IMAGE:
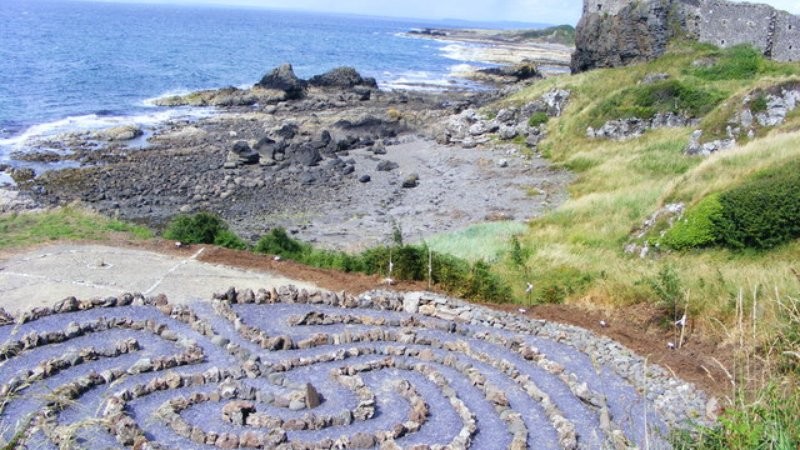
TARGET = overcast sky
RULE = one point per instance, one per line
(542, 11)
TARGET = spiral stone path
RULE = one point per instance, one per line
(293, 368)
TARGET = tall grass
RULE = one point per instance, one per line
(485, 241)
(762, 410)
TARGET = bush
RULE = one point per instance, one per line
(697, 228)
(558, 283)
(408, 262)
(668, 288)
(229, 239)
(537, 119)
(277, 242)
(201, 228)
(764, 212)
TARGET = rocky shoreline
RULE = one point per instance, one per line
(333, 159)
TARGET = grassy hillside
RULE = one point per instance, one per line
(619, 184)
(748, 298)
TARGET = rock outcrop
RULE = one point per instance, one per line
(613, 33)
(282, 78)
(342, 77)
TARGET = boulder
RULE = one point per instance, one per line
(364, 179)
(282, 78)
(342, 77)
(387, 166)
(307, 155)
(312, 396)
(241, 154)
(411, 181)
(120, 133)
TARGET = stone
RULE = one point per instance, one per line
(312, 397)
(364, 179)
(141, 366)
(227, 441)
(411, 181)
(387, 166)
(342, 77)
(237, 411)
(297, 404)
(251, 439)
(282, 78)
(507, 132)
(379, 148)
(241, 154)
(362, 440)
(411, 303)
(120, 133)
(652, 78)
(307, 156)
(506, 115)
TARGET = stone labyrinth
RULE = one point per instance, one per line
(290, 369)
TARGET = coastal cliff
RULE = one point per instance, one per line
(614, 33)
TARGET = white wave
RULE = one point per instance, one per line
(459, 70)
(94, 122)
(465, 52)
(171, 93)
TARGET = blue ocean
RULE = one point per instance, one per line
(68, 64)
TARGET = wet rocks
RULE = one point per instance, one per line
(120, 133)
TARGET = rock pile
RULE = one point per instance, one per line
(623, 129)
(469, 128)
(761, 109)
(287, 368)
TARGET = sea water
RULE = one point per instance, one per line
(69, 65)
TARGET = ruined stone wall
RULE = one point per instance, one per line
(726, 24)
(608, 23)
(786, 46)
(612, 7)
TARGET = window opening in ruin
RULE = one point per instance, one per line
(599, 7)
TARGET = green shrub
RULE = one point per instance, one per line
(645, 101)
(229, 239)
(537, 119)
(408, 262)
(278, 242)
(697, 228)
(668, 289)
(201, 228)
(764, 212)
(741, 62)
(759, 104)
(558, 283)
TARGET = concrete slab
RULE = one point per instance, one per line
(48, 274)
